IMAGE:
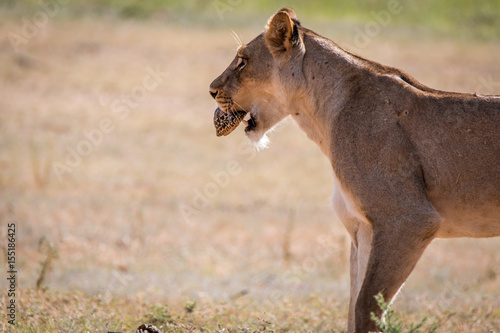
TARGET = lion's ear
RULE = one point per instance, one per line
(282, 32)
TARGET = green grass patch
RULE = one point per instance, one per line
(460, 18)
(392, 324)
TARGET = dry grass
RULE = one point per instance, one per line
(264, 251)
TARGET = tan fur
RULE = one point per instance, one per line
(410, 163)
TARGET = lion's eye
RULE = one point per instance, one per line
(241, 63)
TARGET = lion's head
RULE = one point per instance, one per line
(256, 83)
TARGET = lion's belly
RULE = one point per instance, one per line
(467, 221)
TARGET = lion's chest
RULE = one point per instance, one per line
(346, 207)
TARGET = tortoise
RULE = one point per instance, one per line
(148, 328)
(226, 122)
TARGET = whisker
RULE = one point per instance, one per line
(240, 106)
(236, 38)
(233, 111)
(235, 114)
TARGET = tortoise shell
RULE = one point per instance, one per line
(148, 328)
(225, 122)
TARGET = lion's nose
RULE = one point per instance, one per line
(213, 92)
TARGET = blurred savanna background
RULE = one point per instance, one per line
(129, 210)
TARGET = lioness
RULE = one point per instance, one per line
(410, 163)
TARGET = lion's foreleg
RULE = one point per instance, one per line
(360, 252)
(397, 245)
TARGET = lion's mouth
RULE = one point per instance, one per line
(226, 122)
(251, 124)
